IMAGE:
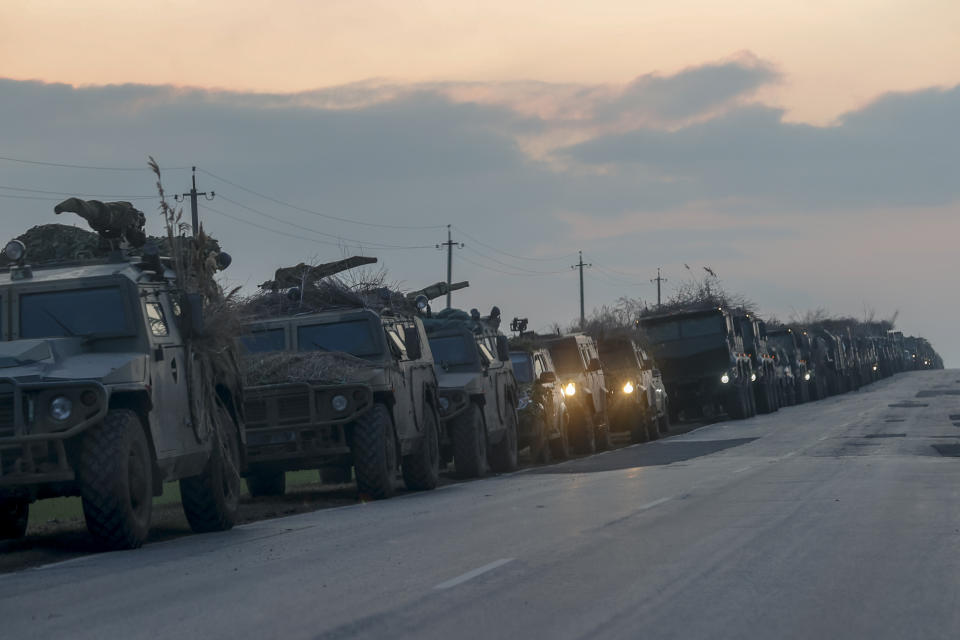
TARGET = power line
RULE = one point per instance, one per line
(511, 255)
(614, 275)
(489, 268)
(70, 193)
(512, 266)
(84, 166)
(377, 245)
(318, 213)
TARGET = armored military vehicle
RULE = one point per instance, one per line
(542, 410)
(766, 385)
(585, 390)
(835, 360)
(478, 391)
(704, 365)
(106, 392)
(787, 341)
(638, 400)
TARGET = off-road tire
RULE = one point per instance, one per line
(503, 455)
(653, 429)
(663, 424)
(468, 438)
(14, 515)
(116, 481)
(375, 454)
(639, 432)
(560, 447)
(335, 474)
(738, 403)
(584, 436)
(421, 469)
(211, 500)
(267, 483)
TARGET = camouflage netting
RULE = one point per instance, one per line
(319, 367)
(458, 318)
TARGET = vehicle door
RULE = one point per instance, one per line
(494, 390)
(405, 417)
(423, 379)
(171, 423)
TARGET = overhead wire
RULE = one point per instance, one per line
(511, 266)
(84, 166)
(565, 256)
(70, 193)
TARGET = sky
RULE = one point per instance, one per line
(806, 151)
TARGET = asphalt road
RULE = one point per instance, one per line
(833, 519)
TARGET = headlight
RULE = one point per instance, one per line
(753, 377)
(724, 378)
(570, 389)
(806, 376)
(444, 403)
(628, 388)
(874, 367)
(60, 408)
(15, 250)
(338, 402)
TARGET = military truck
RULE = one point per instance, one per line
(638, 400)
(105, 394)
(704, 365)
(478, 391)
(541, 408)
(766, 385)
(790, 351)
(585, 390)
(356, 391)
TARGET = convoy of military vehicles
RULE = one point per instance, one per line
(114, 380)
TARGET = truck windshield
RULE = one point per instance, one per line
(522, 367)
(566, 357)
(263, 341)
(453, 350)
(782, 340)
(619, 356)
(355, 337)
(685, 328)
(82, 312)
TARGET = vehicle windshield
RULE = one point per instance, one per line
(566, 357)
(618, 356)
(81, 312)
(782, 340)
(355, 337)
(263, 341)
(453, 350)
(685, 328)
(522, 367)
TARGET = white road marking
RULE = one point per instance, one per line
(651, 505)
(470, 575)
(742, 469)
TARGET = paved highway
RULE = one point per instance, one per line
(833, 519)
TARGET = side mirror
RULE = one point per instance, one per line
(503, 348)
(548, 377)
(411, 337)
(594, 365)
(192, 319)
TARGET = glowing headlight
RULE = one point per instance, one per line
(570, 389)
(753, 377)
(874, 367)
(444, 403)
(338, 402)
(806, 376)
(60, 408)
(628, 388)
(15, 250)
(724, 378)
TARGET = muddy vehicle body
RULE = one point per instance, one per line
(541, 407)
(789, 349)
(703, 362)
(478, 393)
(766, 383)
(375, 414)
(585, 390)
(104, 396)
(637, 402)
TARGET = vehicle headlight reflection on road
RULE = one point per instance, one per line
(570, 389)
(628, 388)
(724, 378)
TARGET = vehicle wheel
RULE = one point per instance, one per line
(336, 474)
(584, 437)
(211, 500)
(469, 440)
(14, 515)
(503, 455)
(421, 470)
(375, 454)
(116, 481)
(663, 423)
(267, 483)
(560, 447)
(735, 404)
(653, 429)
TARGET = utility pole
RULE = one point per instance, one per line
(658, 280)
(581, 264)
(194, 215)
(450, 244)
